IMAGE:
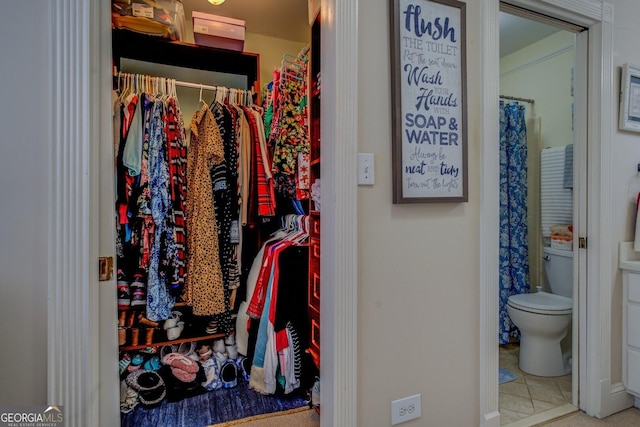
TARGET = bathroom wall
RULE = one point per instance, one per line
(541, 71)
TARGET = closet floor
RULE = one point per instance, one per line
(528, 395)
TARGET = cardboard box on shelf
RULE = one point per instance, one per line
(218, 31)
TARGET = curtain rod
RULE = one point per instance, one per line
(515, 98)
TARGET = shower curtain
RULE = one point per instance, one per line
(514, 257)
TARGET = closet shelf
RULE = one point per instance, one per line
(131, 45)
(173, 342)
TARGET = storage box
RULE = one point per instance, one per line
(218, 31)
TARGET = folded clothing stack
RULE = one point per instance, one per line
(163, 18)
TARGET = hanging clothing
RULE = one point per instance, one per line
(514, 251)
(177, 160)
(204, 285)
(159, 300)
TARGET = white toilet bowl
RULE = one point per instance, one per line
(544, 321)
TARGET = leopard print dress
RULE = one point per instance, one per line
(204, 287)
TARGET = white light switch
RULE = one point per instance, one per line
(366, 169)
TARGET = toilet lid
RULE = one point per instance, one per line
(542, 302)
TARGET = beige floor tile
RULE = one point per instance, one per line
(547, 382)
(547, 394)
(541, 405)
(515, 403)
(517, 389)
(564, 383)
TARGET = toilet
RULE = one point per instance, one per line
(544, 319)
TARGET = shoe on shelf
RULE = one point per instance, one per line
(218, 346)
(174, 333)
(124, 295)
(212, 327)
(138, 281)
(172, 321)
(139, 298)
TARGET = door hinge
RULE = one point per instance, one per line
(105, 268)
(582, 242)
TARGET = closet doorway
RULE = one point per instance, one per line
(537, 194)
(265, 42)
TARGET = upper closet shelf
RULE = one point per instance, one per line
(131, 45)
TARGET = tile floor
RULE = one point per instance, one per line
(528, 394)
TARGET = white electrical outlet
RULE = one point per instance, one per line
(366, 169)
(405, 409)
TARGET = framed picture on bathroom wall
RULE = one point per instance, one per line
(630, 98)
(429, 114)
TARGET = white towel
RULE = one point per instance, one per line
(556, 202)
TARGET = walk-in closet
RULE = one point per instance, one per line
(216, 166)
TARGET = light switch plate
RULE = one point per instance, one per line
(366, 169)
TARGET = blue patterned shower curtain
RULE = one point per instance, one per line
(514, 249)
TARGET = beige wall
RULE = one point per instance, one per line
(271, 50)
(542, 73)
(418, 263)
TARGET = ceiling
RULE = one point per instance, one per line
(516, 32)
(288, 19)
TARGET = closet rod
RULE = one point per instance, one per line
(209, 87)
(515, 98)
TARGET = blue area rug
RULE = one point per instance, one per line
(210, 408)
(505, 376)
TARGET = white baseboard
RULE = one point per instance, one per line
(617, 400)
(491, 419)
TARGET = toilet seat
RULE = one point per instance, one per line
(542, 303)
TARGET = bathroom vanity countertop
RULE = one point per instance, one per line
(628, 258)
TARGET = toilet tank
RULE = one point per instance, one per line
(558, 266)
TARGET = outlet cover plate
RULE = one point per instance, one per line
(405, 409)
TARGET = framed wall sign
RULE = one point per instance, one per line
(428, 71)
(630, 98)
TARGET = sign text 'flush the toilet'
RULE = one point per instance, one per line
(429, 99)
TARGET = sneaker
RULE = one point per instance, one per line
(124, 296)
(138, 298)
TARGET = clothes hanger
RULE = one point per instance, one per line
(202, 100)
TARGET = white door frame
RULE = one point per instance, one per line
(597, 396)
(82, 356)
